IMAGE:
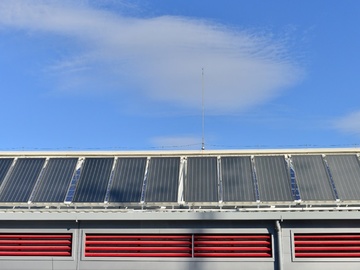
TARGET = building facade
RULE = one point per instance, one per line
(198, 210)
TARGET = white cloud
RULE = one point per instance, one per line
(349, 123)
(162, 57)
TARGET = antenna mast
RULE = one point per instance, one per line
(203, 111)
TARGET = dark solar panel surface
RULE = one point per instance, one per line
(162, 180)
(5, 164)
(273, 178)
(345, 171)
(128, 180)
(312, 178)
(237, 180)
(22, 179)
(273, 181)
(202, 183)
(93, 182)
(55, 180)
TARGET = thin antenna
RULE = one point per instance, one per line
(203, 111)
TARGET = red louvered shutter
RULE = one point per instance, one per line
(146, 245)
(39, 244)
(343, 245)
(237, 245)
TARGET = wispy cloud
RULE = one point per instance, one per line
(349, 123)
(160, 57)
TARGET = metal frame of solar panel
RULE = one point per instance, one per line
(128, 180)
(21, 181)
(162, 180)
(54, 183)
(93, 182)
(312, 178)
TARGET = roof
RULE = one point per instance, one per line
(221, 180)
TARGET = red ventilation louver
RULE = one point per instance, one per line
(343, 245)
(39, 244)
(146, 245)
(239, 245)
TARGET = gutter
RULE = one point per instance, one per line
(279, 244)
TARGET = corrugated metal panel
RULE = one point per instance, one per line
(22, 179)
(312, 178)
(162, 180)
(243, 245)
(41, 244)
(273, 178)
(340, 245)
(201, 184)
(55, 180)
(5, 164)
(345, 171)
(237, 180)
(138, 245)
(94, 179)
(128, 180)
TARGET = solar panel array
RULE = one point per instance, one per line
(177, 180)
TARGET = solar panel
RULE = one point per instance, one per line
(93, 180)
(201, 184)
(237, 180)
(162, 180)
(128, 180)
(22, 179)
(312, 178)
(345, 171)
(273, 178)
(5, 164)
(55, 180)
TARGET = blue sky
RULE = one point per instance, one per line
(127, 75)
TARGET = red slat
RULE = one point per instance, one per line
(138, 243)
(323, 243)
(231, 242)
(102, 248)
(35, 242)
(137, 254)
(253, 255)
(205, 237)
(43, 253)
(45, 248)
(112, 236)
(37, 236)
(328, 255)
(196, 249)
(328, 236)
(339, 248)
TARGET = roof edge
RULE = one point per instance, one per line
(184, 152)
